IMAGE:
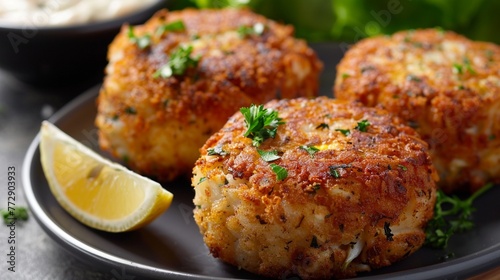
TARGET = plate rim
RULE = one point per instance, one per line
(459, 268)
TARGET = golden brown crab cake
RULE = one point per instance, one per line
(175, 80)
(444, 85)
(340, 189)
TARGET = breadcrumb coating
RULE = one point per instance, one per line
(359, 190)
(445, 86)
(155, 122)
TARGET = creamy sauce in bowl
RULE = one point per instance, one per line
(43, 13)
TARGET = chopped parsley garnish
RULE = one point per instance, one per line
(202, 179)
(261, 123)
(217, 151)
(334, 173)
(334, 170)
(468, 66)
(346, 132)
(142, 42)
(363, 125)
(323, 126)
(12, 215)
(458, 68)
(402, 167)
(180, 60)
(387, 231)
(345, 75)
(311, 150)
(174, 26)
(281, 172)
(268, 155)
(256, 29)
(451, 215)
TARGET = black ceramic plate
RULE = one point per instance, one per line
(172, 247)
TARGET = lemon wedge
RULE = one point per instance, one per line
(97, 192)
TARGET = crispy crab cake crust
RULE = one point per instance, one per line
(444, 85)
(360, 202)
(157, 125)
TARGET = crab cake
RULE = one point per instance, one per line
(341, 188)
(442, 84)
(175, 80)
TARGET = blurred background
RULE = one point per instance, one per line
(40, 54)
(352, 20)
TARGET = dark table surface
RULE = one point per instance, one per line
(22, 108)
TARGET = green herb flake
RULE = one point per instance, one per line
(468, 66)
(174, 26)
(334, 170)
(451, 215)
(12, 215)
(345, 75)
(268, 155)
(311, 150)
(346, 132)
(402, 167)
(202, 179)
(142, 42)
(316, 187)
(217, 151)
(458, 68)
(180, 60)
(334, 173)
(363, 126)
(257, 29)
(281, 172)
(323, 126)
(261, 123)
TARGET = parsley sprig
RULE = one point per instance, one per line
(363, 126)
(261, 123)
(451, 215)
